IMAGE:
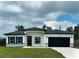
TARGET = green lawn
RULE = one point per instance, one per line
(29, 53)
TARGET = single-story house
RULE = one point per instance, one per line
(37, 37)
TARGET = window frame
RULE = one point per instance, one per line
(10, 39)
(19, 41)
(37, 40)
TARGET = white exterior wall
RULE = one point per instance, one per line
(45, 43)
(15, 45)
(72, 41)
(44, 38)
(36, 34)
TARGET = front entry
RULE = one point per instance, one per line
(29, 40)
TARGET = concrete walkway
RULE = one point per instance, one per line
(34, 47)
(68, 52)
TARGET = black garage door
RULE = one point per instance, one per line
(58, 42)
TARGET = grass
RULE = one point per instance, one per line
(6, 52)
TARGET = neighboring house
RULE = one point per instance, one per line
(37, 37)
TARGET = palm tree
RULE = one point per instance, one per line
(44, 27)
(70, 29)
(49, 28)
(19, 27)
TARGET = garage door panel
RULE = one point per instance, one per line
(58, 42)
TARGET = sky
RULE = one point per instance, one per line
(37, 13)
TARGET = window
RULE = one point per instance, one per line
(19, 40)
(37, 40)
(11, 40)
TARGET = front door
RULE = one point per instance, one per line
(29, 40)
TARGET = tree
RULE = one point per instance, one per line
(44, 27)
(49, 28)
(76, 30)
(19, 27)
(70, 29)
(22, 27)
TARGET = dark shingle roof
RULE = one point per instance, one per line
(34, 29)
(15, 33)
(56, 31)
(22, 32)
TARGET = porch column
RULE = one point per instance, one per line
(6, 40)
(45, 41)
(15, 39)
(25, 40)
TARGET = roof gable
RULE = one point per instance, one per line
(34, 29)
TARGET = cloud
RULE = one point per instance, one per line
(37, 13)
(53, 15)
(35, 4)
(69, 6)
(41, 8)
(11, 8)
(14, 8)
(56, 24)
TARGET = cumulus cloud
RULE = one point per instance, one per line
(14, 8)
(56, 24)
(37, 13)
(41, 8)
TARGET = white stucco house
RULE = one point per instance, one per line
(37, 37)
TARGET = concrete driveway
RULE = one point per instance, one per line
(68, 52)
